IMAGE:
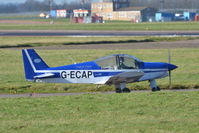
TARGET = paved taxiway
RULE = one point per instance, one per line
(95, 33)
(80, 93)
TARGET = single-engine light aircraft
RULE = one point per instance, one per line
(117, 69)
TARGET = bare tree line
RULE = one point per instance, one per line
(167, 4)
(46, 5)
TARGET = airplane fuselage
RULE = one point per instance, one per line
(100, 76)
(117, 70)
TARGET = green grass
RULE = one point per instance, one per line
(9, 42)
(161, 112)
(109, 25)
(12, 75)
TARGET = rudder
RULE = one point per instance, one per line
(32, 63)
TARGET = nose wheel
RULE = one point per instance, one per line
(121, 88)
(154, 86)
(156, 89)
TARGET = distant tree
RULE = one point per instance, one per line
(8, 8)
(172, 4)
(46, 5)
(31, 5)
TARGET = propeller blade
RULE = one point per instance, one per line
(169, 79)
(169, 61)
(169, 56)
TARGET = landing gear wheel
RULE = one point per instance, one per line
(121, 88)
(156, 89)
(118, 90)
(126, 90)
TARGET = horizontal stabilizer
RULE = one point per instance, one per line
(45, 75)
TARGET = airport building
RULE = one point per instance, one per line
(121, 10)
(61, 13)
(117, 4)
(168, 16)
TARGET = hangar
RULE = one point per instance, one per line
(116, 10)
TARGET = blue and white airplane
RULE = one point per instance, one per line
(117, 69)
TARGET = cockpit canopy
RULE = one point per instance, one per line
(118, 61)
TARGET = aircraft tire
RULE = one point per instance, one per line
(156, 89)
(118, 90)
(126, 90)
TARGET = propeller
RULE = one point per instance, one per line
(169, 61)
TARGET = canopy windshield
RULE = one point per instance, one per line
(118, 62)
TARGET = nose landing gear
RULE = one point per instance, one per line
(154, 86)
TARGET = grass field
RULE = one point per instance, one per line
(162, 112)
(10, 42)
(65, 24)
(12, 75)
(145, 112)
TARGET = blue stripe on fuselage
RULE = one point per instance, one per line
(154, 65)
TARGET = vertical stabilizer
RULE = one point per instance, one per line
(32, 63)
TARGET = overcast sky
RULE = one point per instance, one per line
(20, 1)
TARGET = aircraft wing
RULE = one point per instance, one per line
(45, 75)
(125, 77)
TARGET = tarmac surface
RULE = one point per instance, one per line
(81, 93)
(80, 33)
(126, 46)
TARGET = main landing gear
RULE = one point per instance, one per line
(154, 86)
(121, 88)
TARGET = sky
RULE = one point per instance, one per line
(20, 1)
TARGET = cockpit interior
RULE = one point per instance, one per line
(119, 61)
